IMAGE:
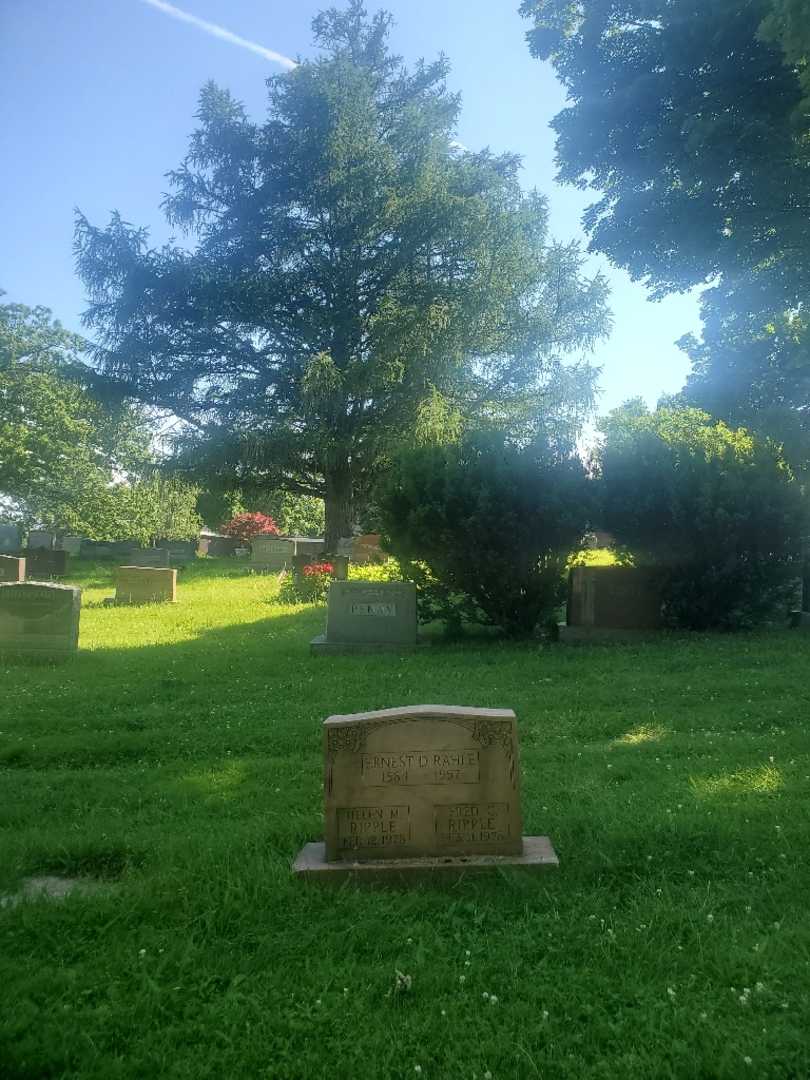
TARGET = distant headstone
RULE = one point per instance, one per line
(71, 544)
(9, 538)
(427, 788)
(612, 602)
(39, 620)
(145, 585)
(218, 546)
(179, 550)
(307, 545)
(40, 538)
(12, 568)
(149, 557)
(42, 564)
(271, 553)
(366, 549)
(365, 616)
(340, 564)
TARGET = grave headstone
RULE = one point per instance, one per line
(271, 553)
(149, 557)
(341, 567)
(71, 544)
(307, 545)
(145, 585)
(39, 620)
(366, 549)
(12, 568)
(365, 616)
(218, 547)
(179, 550)
(40, 538)
(9, 538)
(425, 788)
(42, 564)
(612, 603)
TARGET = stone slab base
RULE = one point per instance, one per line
(587, 634)
(320, 645)
(311, 865)
(800, 620)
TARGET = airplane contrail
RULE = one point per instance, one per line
(221, 33)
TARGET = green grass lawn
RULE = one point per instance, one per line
(177, 759)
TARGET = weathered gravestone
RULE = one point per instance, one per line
(9, 538)
(612, 603)
(149, 557)
(179, 550)
(42, 564)
(271, 554)
(218, 546)
(366, 549)
(421, 790)
(41, 538)
(145, 585)
(39, 620)
(71, 544)
(12, 568)
(365, 616)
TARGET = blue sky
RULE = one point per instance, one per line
(97, 100)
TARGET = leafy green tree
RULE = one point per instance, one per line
(688, 122)
(351, 263)
(717, 509)
(491, 523)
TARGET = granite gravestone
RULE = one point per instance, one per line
(423, 788)
(39, 620)
(71, 544)
(612, 603)
(179, 550)
(366, 549)
(271, 554)
(41, 538)
(150, 557)
(145, 585)
(365, 616)
(218, 547)
(42, 564)
(9, 538)
(12, 568)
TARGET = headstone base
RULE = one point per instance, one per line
(800, 620)
(311, 865)
(320, 645)
(596, 634)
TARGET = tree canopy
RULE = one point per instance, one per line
(690, 121)
(354, 266)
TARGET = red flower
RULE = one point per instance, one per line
(318, 568)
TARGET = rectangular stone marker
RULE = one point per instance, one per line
(40, 538)
(71, 544)
(39, 620)
(611, 603)
(149, 557)
(271, 554)
(9, 538)
(42, 564)
(364, 616)
(366, 549)
(145, 585)
(12, 568)
(422, 788)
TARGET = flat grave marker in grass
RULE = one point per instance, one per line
(39, 619)
(12, 568)
(364, 616)
(145, 585)
(425, 790)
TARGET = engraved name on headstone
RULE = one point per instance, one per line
(367, 616)
(420, 781)
(39, 619)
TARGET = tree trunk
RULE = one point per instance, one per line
(339, 506)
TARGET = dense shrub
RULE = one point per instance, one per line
(717, 509)
(485, 528)
(245, 526)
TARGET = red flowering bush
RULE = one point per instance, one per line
(308, 587)
(245, 526)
